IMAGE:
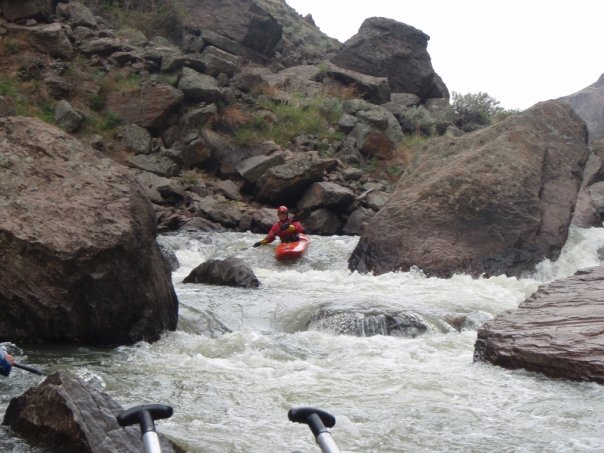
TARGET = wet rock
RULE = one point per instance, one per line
(77, 237)
(231, 271)
(367, 324)
(558, 331)
(497, 201)
(71, 415)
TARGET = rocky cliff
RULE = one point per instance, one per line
(588, 104)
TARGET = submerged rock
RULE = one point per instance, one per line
(370, 323)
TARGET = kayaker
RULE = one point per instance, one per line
(287, 230)
(6, 361)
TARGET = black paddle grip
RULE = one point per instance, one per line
(316, 419)
(144, 415)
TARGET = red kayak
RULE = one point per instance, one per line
(292, 250)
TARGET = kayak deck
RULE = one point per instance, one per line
(292, 250)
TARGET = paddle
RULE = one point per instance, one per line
(29, 368)
(318, 422)
(144, 416)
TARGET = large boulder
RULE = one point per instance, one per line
(14, 10)
(50, 39)
(387, 48)
(558, 331)
(149, 106)
(285, 183)
(71, 415)
(244, 21)
(493, 202)
(77, 240)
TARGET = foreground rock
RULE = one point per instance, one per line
(77, 240)
(493, 202)
(70, 415)
(558, 331)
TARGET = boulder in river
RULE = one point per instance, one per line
(80, 262)
(496, 201)
(231, 271)
(558, 331)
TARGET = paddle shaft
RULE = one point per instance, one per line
(28, 368)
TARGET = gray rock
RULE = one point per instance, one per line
(199, 87)
(588, 105)
(136, 139)
(67, 117)
(254, 167)
(387, 48)
(326, 195)
(47, 38)
(155, 163)
(496, 201)
(72, 415)
(77, 14)
(558, 331)
(231, 271)
(79, 258)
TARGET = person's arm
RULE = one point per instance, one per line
(6, 362)
(270, 237)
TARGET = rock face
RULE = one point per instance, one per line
(73, 416)
(243, 21)
(387, 48)
(558, 331)
(588, 105)
(496, 201)
(77, 240)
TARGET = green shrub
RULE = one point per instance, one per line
(109, 121)
(474, 108)
(422, 119)
(189, 178)
(295, 116)
(96, 101)
(8, 88)
(152, 18)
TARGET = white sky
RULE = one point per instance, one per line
(520, 52)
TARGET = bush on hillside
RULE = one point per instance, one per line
(475, 109)
(153, 18)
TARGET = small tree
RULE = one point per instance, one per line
(475, 109)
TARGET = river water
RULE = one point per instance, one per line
(241, 358)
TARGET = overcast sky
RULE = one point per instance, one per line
(520, 52)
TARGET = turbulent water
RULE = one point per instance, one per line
(242, 357)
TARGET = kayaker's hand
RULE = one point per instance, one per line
(291, 229)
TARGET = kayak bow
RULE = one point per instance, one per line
(292, 250)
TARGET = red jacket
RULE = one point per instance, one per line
(281, 229)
